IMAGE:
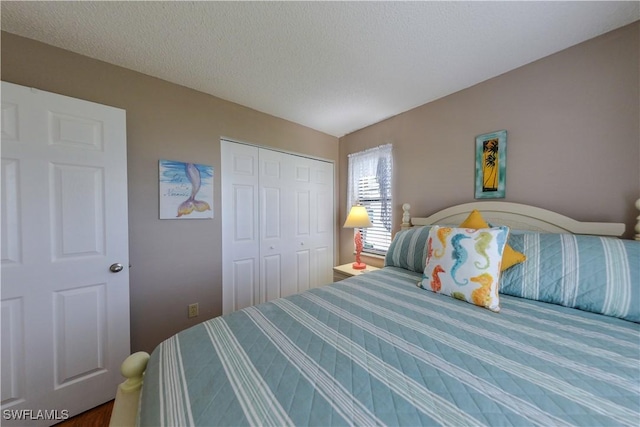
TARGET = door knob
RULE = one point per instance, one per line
(116, 268)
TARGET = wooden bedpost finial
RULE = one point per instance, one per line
(638, 221)
(125, 407)
(133, 369)
(406, 216)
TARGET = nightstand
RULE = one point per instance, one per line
(344, 271)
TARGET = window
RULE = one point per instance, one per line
(370, 185)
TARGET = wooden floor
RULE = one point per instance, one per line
(96, 417)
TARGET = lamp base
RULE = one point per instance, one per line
(359, 266)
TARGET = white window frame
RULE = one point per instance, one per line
(370, 184)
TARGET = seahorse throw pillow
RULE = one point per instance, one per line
(510, 257)
(465, 263)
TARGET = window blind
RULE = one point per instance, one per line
(370, 175)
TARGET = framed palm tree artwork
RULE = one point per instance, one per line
(491, 165)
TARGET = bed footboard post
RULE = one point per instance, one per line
(406, 217)
(125, 407)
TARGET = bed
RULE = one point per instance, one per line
(376, 349)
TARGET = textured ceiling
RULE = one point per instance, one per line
(332, 66)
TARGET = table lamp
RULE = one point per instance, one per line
(358, 218)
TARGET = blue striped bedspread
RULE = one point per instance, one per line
(377, 350)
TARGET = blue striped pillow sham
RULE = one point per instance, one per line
(408, 249)
(591, 273)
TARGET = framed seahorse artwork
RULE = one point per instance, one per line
(491, 165)
(186, 190)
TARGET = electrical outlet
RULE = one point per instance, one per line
(193, 310)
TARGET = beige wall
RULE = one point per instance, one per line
(573, 146)
(573, 123)
(174, 263)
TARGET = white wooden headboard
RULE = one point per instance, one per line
(517, 216)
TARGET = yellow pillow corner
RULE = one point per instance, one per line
(475, 221)
(510, 257)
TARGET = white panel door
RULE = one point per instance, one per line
(304, 212)
(65, 314)
(297, 196)
(314, 221)
(323, 226)
(240, 227)
(277, 247)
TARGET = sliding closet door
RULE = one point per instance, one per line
(322, 235)
(303, 213)
(276, 225)
(283, 204)
(240, 227)
(296, 223)
(312, 225)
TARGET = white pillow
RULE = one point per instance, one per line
(465, 263)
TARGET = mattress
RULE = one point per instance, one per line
(377, 350)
